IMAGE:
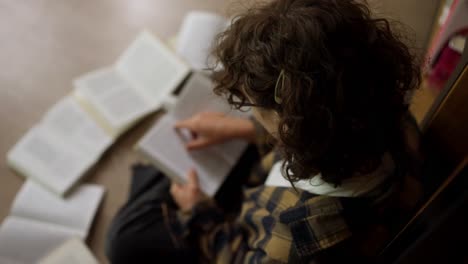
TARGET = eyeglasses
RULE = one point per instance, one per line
(244, 103)
(241, 105)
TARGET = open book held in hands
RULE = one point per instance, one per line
(164, 147)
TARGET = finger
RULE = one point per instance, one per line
(173, 188)
(198, 143)
(186, 123)
(192, 178)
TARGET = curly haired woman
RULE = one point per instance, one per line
(329, 83)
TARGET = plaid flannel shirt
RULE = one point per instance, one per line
(276, 224)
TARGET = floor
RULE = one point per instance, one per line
(45, 44)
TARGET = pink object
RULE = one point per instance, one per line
(456, 20)
(444, 66)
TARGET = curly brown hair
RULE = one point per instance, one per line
(346, 76)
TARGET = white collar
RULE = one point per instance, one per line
(355, 186)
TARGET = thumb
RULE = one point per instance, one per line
(175, 189)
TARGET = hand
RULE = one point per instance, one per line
(211, 128)
(187, 195)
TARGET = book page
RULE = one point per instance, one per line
(27, 241)
(75, 211)
(113, 97)
(41, 156)
(5, 260)
(165, 146)
(152, 68)
(197, 96)
(69, 121)
(73, 251)
(196, 37)
(231, 150)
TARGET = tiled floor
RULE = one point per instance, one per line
(44, 44)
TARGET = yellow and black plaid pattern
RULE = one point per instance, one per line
(274, 224)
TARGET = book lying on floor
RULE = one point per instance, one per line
(61, 148)
(73, 251)
(77, 130)
(164, 146)
(136, 85)
(40, 221)
(196, 38)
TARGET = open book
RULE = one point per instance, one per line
(40, 221)
(60, 149)
(196, 38)
(77, 130)
(136, 85)
(166, 148)
(73, 251)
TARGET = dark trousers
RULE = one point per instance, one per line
(138, 233)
